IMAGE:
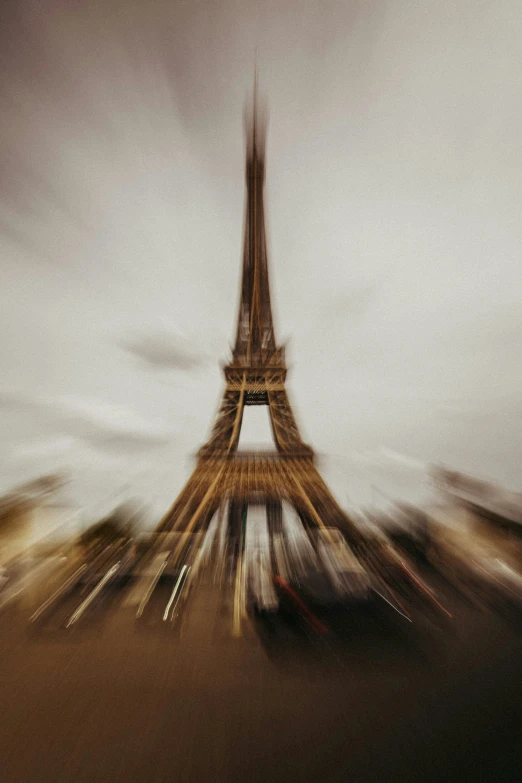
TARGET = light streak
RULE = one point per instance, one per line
(57, 593)
(92, 595)
(184, 570)
(426, 590)
(151, 587)
(238, 595)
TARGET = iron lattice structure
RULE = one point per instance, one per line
(256, 375)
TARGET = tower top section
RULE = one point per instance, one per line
(255, 340)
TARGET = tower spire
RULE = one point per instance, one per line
(254, 111)
(255, 339)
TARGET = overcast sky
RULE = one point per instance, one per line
(393, 208)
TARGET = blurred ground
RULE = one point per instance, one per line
(116, 702)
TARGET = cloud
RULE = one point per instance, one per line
(48, 449)
(16, 399)
(166, 350)
(105, 425)
(403, 459)
(97, 423)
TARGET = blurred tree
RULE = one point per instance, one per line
(117, 525)
(16, 505)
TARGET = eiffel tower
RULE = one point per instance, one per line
(255, 375)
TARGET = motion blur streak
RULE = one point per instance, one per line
(90, 598)
(177, 588)
(152, 585)
(57, 594)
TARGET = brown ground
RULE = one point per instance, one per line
(113, 702)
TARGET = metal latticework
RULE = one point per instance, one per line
(256, 375)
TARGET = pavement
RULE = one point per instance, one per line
(116, 699)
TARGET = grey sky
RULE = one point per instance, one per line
(393, 199)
